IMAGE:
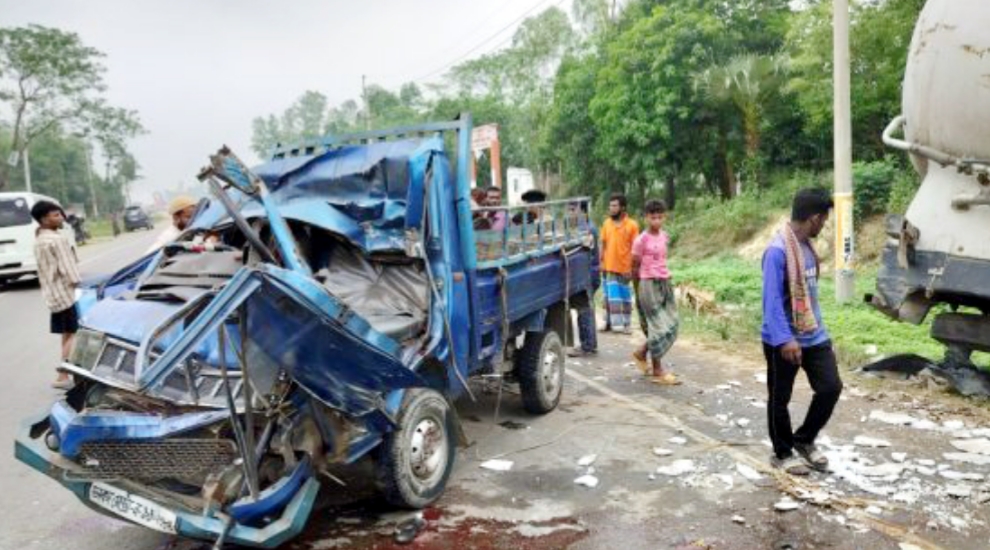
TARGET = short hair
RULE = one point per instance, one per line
(620, 198)
(655, 206)
(42, 208)
(810, 201)
(534, 195)
(478, 194)
(491, 188)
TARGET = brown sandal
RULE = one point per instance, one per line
(667, 379)
(641, 364)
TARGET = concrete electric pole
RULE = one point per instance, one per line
(845, 279)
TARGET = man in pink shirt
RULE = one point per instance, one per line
(655, 294)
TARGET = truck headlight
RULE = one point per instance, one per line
(86, 348)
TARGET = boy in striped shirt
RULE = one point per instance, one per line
(59, 277)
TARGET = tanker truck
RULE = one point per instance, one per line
(937, 259)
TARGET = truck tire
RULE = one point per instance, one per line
(541, 372)
(416, 459)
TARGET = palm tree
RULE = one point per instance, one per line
(747, 82)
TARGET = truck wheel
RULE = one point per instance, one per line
(416, 459)
(541, 372)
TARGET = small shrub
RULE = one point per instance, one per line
(905, 185)
(872, 182)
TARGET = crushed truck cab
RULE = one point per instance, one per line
(326, 307)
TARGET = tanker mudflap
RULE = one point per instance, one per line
(962, 376)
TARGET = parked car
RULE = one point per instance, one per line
(327, 307)
(17, 234)
(136, 218)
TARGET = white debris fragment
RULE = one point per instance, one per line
(961, 476)
(748, 472)
(969, 458)
(497, 465)
(587, 460)
(742, 422)
(676, 468)
(738, 519)
(726, 479)
(871, 350)
(958, 523)
(723, 387)
(954, 425)
(926, 462)
(660, 451)
(897, 419)
(866, 441)
(722, 417)
(587, 480)
(981, 445)
(677, 440)
(735, 383)
(924, 470)
(760, 377)
(898, 457)
(958, 490)
(758, 403)
(924, 424)
(874, 510)
(905, 497)
(888, 469)
(590, 470)
(786, 505)
(651, 477)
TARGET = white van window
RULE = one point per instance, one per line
(14, 213)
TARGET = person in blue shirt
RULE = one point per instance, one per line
(794, 336)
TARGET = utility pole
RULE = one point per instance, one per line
(27, 170)
(845, 276)
(89, 182)
(367, 108)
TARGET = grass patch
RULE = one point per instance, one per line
(737, 285)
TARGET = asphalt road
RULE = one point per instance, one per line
(714, 420)
(35, 512)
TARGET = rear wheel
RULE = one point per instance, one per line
(541, 372)
(416, 459)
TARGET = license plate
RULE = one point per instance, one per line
(132, 507)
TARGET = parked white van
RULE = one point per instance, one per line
(17, 233)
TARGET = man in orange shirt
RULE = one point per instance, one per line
(618, 233)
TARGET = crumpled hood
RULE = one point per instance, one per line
(129, 320)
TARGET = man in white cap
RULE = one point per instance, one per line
(181, 209)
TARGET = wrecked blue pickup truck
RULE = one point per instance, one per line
(325, 307)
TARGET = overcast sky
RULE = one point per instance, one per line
(199, 71)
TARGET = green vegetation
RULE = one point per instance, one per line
(737, 286)
(52, 85)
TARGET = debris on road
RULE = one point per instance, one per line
(979, 446)
(739, 519)
(866, 441)
(497, 465)
(677, 440)
(587, 480)
(587, 460)
(898, 457)
(660, 451)
(786, 504)
(748, 472)
(676, 468)
(742, 422)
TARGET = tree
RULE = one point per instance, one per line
(748, 82)
(880, 35)
(48, 77)
(111, 127)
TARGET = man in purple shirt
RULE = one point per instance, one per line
(789, 348)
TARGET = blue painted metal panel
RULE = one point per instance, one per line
(273, 499)
(74, 429)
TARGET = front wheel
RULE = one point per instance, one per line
(541, 372)
(417, 458)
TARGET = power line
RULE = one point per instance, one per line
(486, 41)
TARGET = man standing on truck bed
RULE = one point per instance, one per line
(59, 277)
(794, 337)
(618, 234)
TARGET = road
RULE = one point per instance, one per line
(714, 420)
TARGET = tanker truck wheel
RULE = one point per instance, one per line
(541, 372)
(416, 459)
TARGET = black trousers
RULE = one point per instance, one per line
(819, 365)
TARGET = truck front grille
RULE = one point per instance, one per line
(187, 460)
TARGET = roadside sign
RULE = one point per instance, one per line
(13, 159)
(482, 137)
